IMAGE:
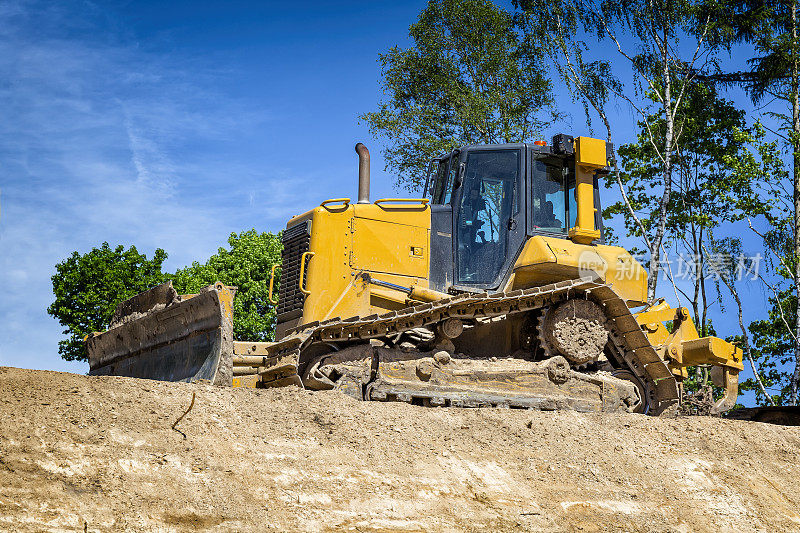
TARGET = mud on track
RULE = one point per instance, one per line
(99, 453)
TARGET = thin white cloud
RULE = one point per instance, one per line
(93, 147)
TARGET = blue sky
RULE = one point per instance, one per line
(172, 124)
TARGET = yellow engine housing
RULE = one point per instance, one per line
(387, 239)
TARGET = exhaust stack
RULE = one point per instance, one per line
(363, 173)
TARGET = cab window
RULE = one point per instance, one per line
(487, 204)
(549, 198)
(443, 177)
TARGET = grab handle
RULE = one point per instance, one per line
(423, 201)
(303, 271)
(271, 281)
(344, 201)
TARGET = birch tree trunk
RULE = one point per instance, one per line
(795, 141)
(658, 238)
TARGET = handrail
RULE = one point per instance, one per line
(303, 271)
(271, 280)
(423, 201)
(345, 201)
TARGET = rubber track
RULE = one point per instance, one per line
(632, 344)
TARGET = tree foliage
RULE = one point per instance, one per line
(706, 193)
(772, 29)
(773, 349)
(774, 338)
(663, 43)
(468, 78)
(87, 288)
(246, 264)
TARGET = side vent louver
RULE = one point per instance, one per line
(295, 242)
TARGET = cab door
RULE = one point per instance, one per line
(444, 172)
(488, 215)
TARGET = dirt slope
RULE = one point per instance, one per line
(100, 453)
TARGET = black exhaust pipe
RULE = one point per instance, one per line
(363, 173)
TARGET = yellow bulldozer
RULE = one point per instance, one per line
(494, 289)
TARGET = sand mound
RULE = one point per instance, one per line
(99, 454)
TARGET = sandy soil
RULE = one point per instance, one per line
(81, 453)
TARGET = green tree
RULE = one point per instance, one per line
(773, 28)
(704, 185)
(773, 349)
(729, 273)
(469, 78)
(664, 44)
(246, 263)
(88, 287)
(774, 338)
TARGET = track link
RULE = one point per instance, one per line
(631, 345)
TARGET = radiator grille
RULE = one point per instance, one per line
(295, 243)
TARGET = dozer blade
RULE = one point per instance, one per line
(160, 335)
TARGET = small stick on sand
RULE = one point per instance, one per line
(181, 417)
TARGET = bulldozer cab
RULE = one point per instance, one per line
(486, 201)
